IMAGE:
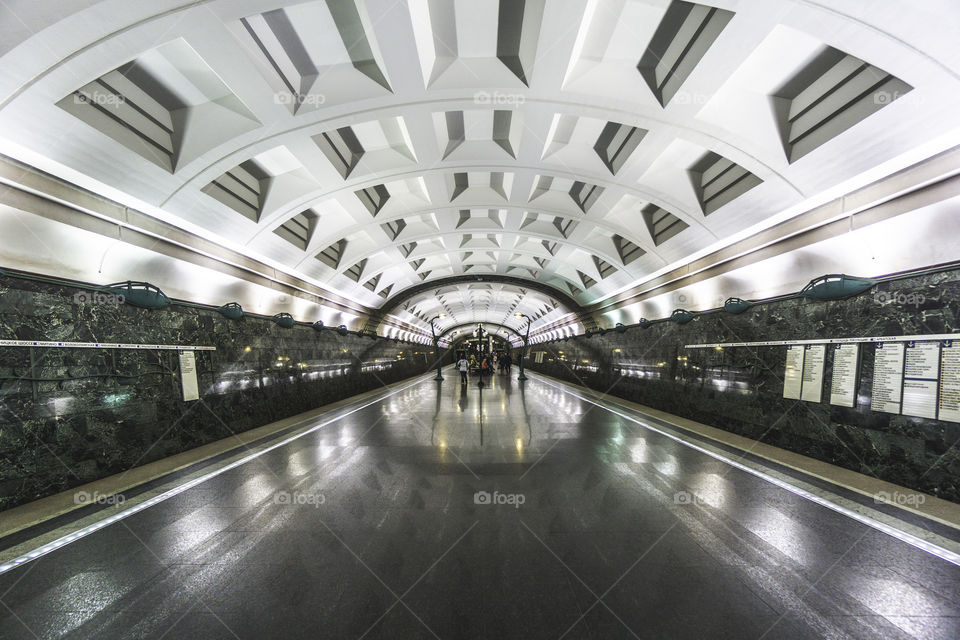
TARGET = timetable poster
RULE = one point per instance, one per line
(843, 386)
(813, 359)
(921, 376)
(950, 381)
(188, 376)
(887, 377)
(793, 376)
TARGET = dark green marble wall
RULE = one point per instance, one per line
(740, 389)
(69, 416)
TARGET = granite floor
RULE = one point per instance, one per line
(511, 511)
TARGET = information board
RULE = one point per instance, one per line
(843, 385)
(887, 377)
(813, 359)
(921, 376)
(188, 376)
(793, 376)
(950, 381)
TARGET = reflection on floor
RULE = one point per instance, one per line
(511, 511)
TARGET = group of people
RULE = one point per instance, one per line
(484, 366)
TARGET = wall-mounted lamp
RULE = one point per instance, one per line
(139, 294)
(284, 320)
(231, 310)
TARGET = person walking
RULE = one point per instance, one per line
(463, 366)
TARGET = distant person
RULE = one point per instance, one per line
(463, 366)
(484, 367)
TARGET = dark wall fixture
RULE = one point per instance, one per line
(740, 389)
(139, 294)
(231, 310)
(736, 305)
(836, 286)
(681, 316)
(284, 320)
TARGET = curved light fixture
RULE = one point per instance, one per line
(681, 316)
(284, 320)
(231, 310)
(139, 294)
(836, 286)
(736, 305)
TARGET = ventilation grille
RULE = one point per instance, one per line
(342, 149)
(394, 229)
(831, 94)
(116, 100)
(680, 42)
(627, 250)
(585, 195)
(604, 268)
(332, 255)
(661, 224)
(298, 229)
(564, 226)
(616, 143)
(150, 105)
(241, 189)
(460, 184)
(373, 198)
(372, 282)
(717, 181)
(275, 36)
(356, 271)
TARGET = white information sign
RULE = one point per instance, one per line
(887, 377)
(793, 376)
(188, 376)
(813, 372)
(921, 377)
(843, 385)
(950, 381)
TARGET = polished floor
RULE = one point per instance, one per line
(512, 511)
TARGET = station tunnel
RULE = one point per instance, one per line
(480, 319)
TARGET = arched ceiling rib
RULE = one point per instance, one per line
(561, 150)
(481, 299)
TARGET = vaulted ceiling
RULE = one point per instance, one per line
(374, 147)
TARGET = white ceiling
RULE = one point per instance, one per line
(238, 118)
